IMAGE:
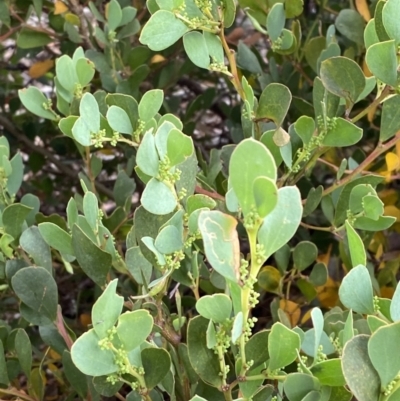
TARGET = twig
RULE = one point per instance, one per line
(381, 148)
(10, 127)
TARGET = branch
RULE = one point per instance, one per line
(10, 127)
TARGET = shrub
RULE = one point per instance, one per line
(223, 283)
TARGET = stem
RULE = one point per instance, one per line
(375, 103)
(327, 229)
(16, 393)
(381, 148)
(254, 269)
(232, 64)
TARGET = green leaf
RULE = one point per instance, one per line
(66, 73)
(107, 310)
(198, 201)
(13, 218)
(150, 104)
(390, 121)
(138, 265)
(214, 46)
(382, 346)
(319, 274)
(196, 49)
(395, 305)
(283, 345)
(356, 291)
(127, 103)
(304, 254)
(156, 364)
(28, 39)
(23, 349)
(370, 35)
(382, 61)
(147, 157)
(313, 200)
(329, 373)
(276, 21)
(89, 112)
(37, 289)
(286, 215)
(358, 371)
(256, 348)
(217, 307)
(169, 240)
(318, 323)
(36, 102)
(221, 243)
(390, 13)
(343, 77)
(305, 127)
(343, 133)
(94, 262)
(274, 103)
(74, 376)
(265, 194)
(85, 71)
(157, 198)
(203, 360)
(244, 170)
(89, 358)
(3, 367)
(119, 120)
(162, 30)
(134, 327)
(383, 223)
(356, 246)
(298, 385)
(56, 237)
(179, 147)
(113, 14)
(32, 243)
(351, 25)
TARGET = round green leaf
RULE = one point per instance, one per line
(286, 215)
(343, 133)
(56, 237)
(276, 21)
(217, 307)
(265, 195)
(381, 59)
(305, 127)
(329, 373)
(343, 77)
(89, 112)
(119, 120)
(390, 17)
(162, 30)
(382, 346)
(351, 25)
(358, 371)
(274, 103)
(89, 358)
(169, 240)
(85, 71)
(150, 104)
(304, 254)
(283, 345)
(147, 157)
(298, 385)
(36, 288)
(157, 198)
(134, 327)
(113, 14)
(221, 243)
(244, 170)
(390, 121)
(156, 364)
(356, 291)
(196, 49)
(36, 102)
(107, 310)
(179, 147)
(66, 73)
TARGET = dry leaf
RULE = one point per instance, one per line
(363, 9)
(60, 8)
(40, 68)
(292, 311)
